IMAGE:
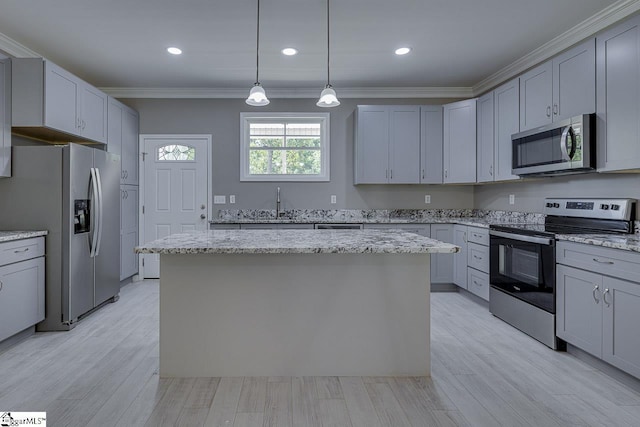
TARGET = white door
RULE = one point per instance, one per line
(175, 189)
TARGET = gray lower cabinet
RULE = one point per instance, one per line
(5, 117)
(618, 95)
(128, 230)
(460, 275)
(21, 285)
(597, 312)
(478, 261)
(442, 264)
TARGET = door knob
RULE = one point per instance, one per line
(203, 216)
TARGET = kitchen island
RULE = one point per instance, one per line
(294, 302)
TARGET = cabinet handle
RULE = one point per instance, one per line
(464, 237)
(603, 262)
(386, 173)
(83, 124)
(604, 297)
(126, 174)
(21, 251)
(491, 170)
(555, 109)
(476, 283)
(446, 173)
(391, 174)
(477, 257)
(595, 289)
(422, 173)
(1, 285)
(548, 111)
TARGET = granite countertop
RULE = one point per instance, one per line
(296, 242)
(8, 236)
(630, 242)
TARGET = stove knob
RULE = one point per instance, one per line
(615, 207)
(549, 205)
(556, 205)
(604, 207)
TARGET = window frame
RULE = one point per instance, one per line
(325, 157)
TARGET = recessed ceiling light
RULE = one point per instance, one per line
(174, 50)
(403, 50)
(289, 51)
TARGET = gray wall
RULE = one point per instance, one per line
(531, 193)
(221, 119)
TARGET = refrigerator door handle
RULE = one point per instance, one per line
(93, 240)
(100, 211)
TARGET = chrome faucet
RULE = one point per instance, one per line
(278, 203)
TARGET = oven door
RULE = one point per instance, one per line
(524, 267)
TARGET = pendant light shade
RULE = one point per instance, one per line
(328, 96)
(257, 96)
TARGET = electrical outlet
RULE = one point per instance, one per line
(333, 199)
(427, 198)
(232, 198)
(512, 199)
(219, 200)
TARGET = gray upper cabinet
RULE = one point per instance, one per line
(506, 123)
(5, 118)
(459, 152)
(123, 139)
(387, 148)
(536, 96)
(560, 88)
(50, 103)
(618, 90)
(486, 137)
(431, 144)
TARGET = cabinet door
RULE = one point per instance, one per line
(536, 96)
(404, 144)
(372, 145)
(129, 230)
(579, 308)
(114, 126)
(442, 264)
(460, 142)
(618, 96)
(21, 296)
(621, 345)
(485, 123)
(460, 258)
(5, 118)
(574, 81)
(431, 144)
(93, 120)
(61, 99)
(507, 122)
(129, 152)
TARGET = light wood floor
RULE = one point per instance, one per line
(485, 373)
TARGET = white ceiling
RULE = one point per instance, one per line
(121, 43)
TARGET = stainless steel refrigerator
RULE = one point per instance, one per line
(73, 192)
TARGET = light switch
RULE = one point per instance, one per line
(512, 199)
(333, 199)
(427, 198)
(219, 200)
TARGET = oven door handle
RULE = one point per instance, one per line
(523, 238)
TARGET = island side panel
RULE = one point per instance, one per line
(294, 315)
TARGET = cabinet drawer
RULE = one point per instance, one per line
(478, 283)
(611, 262)
(478, 257)
(20, 250)
(479, 235)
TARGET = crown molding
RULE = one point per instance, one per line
(587, 28)
(383, 92)
(15, 49)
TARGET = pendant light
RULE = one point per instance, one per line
(257, 96)
(328, 96)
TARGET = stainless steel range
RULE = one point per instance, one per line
(523, 260)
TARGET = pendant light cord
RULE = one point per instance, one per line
(258, 43)
(328, 45)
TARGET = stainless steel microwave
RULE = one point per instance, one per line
(563, 147)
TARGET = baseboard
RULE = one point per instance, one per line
(15, 339)
(615, 373)
(473, 297)
(127, 281)
(444, 287)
